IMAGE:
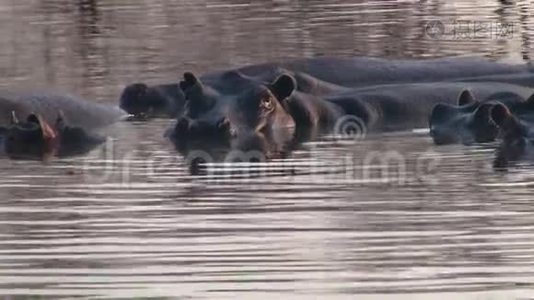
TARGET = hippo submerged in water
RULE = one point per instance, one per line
(42, 126)
(517, 136)
(143, 101)
(469, 120)
(243, 111)
(168, 100)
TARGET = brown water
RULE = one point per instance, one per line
(333, 221)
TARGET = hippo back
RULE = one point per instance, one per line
(365, 71)
(405, 106)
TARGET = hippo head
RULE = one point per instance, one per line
(515, 133)
(468, 122)
(237, 110)
(142, 101)
(33, 137)
(36, 138)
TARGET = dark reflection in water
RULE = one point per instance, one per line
(391, 216)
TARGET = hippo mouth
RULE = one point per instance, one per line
(441, 139)
(137, 117)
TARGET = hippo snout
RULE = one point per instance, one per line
(442, 137)
(186, 129)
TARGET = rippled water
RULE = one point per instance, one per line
(332, 221)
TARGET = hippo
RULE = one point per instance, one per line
(79, 112)
(239, 107)
(167, 100)
(517, 136)
(36, 138)
(143, 101)
(49, 125)
(469, 121)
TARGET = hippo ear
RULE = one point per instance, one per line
(500, 113)
(283, 86)
(33, 118)
(48, 133)
(14, 120)
(530, 101)
(190, 80)
(466, 97)
(483, 112)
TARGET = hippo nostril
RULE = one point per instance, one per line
(223, 124)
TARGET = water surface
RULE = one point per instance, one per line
(333, 221)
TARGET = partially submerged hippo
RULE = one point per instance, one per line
(469, 120)
(167, 100)
(41, 126)
(143, 101)
(517, 135)
(238, 107)
(36, 138)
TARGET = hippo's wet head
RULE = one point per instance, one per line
(36, 138)
(516, 136)
(33, 137)
(142, 101)
(236, 110)
(466, 123)
(134, 99)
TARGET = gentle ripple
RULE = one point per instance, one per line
(129, 221)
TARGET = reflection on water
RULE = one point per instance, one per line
(331, 221)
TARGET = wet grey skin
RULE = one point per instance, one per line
(469, 120)
(79, 112)
(239, 113)
(525, 79)
(144, 101)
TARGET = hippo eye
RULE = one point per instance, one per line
(267, 102)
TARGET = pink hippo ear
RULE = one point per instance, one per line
(49, 135)
(466, 97)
